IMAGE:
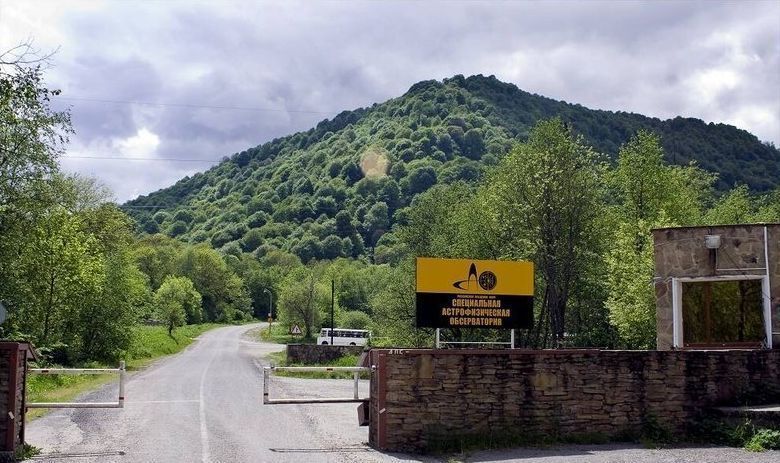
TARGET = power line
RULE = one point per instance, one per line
(122, 158)
(195, 106)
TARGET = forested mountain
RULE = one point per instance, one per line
(321, 193)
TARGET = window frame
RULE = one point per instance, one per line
(677, 316)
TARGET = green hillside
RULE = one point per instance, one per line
(317, 193)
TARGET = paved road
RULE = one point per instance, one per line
(622, 453)
(205, 405)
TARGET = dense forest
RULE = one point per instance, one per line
(337, 189)
(351, 203)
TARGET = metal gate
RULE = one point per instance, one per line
(120, 403)
(268, 371)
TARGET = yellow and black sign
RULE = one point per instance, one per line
(461, 293)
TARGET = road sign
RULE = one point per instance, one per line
(464, 293)
(296, 330)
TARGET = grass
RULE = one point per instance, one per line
(279, 335)
(153, 342)
(149, 344)
(280, 359)
(744, 433)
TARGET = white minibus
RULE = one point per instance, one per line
(344, 337)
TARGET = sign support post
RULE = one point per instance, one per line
(438, 345)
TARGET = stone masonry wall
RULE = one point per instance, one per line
(421, 396)
(680, 252)
(5, 407)
(309, 354)
(11, 400)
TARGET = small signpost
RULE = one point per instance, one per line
(465, 293)
(296, 330)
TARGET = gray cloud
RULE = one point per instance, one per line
(717, 61)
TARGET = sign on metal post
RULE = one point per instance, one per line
(296, 330)
(464, 293)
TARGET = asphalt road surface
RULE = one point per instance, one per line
(205, 405)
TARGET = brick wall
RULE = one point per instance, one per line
(309, 354)
(421, 396)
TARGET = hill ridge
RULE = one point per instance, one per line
(288, 193)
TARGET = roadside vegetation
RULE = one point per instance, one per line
(743, 434)
(77, 273)
(279, 359)
(148, 343)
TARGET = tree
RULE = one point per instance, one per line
(649, 194)
(303, 299)
(32, 136)
(376, 222)
(355, 320)
(223, 293)
(177, 301)
(547, 198)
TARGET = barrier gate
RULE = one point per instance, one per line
(267, 371)
(120, 403)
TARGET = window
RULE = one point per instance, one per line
(721, 311)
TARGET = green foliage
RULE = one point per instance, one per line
(648, 194)
(764, 439)
(150, 342)
(303, 300)
(437, 133)
(178, 302)
(546, 198)
(27, 451)
(354, 319)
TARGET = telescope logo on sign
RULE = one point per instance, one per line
(454, 293)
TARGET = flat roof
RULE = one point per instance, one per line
(730, 225)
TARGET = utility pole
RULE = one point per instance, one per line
(332, 307)
(270, 308)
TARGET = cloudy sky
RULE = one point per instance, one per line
(179, 84)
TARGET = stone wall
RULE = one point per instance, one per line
(419, 397)
(310, 354)
(681, 253)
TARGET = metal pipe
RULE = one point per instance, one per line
(512, 338)
(348, 369)
(74, 405)
(740, 269)
(357, 379)
(438, 343)
(768, 296)
(479, 342)
(266, 373)
(72, 371)
(332, 308)
(122, 384)
(315, 401)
